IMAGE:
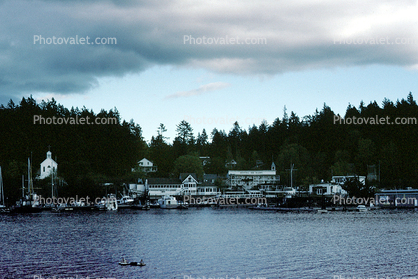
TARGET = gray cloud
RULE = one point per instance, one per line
(298, 36)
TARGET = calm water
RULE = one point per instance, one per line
(209, 242)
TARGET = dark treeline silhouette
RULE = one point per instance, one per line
(87, 155)
(318, 145)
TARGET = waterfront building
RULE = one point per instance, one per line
(326, 189)
(208, 187)
(48, 166)
(249, 179)
(189, 183)
(158, 187)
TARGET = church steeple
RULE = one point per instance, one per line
(48, 155)
(273, 166)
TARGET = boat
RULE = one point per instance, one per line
(361, 208)
(168, 202)
(108, 203)
(124, 262)
(125, 201)
(137, 264)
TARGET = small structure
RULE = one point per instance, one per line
(326, 189)
(48, 166)
(146, 165)
(231, 164)
(205, 160)
(341, 179)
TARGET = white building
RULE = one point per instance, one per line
(48, 166)
(250, 178)
(326, 189)
(146, 165)
(189, 182)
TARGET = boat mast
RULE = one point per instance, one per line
(52, 185)
(1, 188)
(30, 185)
(23, 185)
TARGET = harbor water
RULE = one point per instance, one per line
(210, 243)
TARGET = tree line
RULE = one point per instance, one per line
(317, 145)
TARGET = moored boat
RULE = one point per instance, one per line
(125, 202)
(168, 202)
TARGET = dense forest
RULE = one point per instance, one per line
(89, 155)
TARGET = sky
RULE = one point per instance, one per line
(210, 63)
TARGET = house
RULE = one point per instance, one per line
(146, 165)
(189, 181)
(48, 166)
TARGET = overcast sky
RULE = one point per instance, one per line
(210, 63)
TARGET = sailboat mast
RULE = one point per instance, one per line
(23, 185)
(1, 188)
(30, 185)
(52, 185)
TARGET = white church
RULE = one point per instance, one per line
(48, 166)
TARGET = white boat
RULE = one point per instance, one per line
(108, 203)
(168, 202)
(361, 208)
(125, 202)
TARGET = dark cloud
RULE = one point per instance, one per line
(293, 36)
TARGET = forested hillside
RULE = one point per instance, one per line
(92, 154)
